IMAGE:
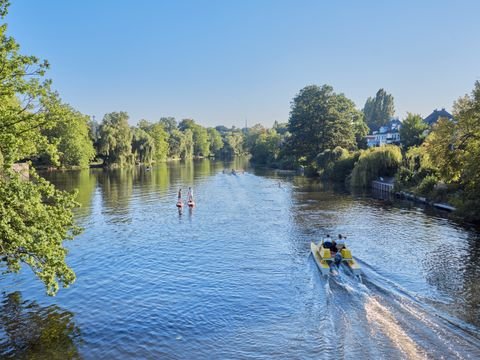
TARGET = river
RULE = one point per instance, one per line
(233, 278)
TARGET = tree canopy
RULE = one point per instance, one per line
(379, 110)
(412, 130)
(115, 144)
(321, 119)
(71, 136)
(35, 218)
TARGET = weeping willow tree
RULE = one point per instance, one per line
(375, 162)
(143, 147)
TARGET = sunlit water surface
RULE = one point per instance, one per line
(233, 278)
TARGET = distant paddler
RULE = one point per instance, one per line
(179, 201)
(190, 202)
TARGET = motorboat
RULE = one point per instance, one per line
(325, 258)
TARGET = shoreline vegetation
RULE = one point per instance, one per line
(325, 135)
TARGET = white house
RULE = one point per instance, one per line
(388, 134)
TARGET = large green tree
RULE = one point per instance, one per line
(168, 123)
(412, 130)
(187, 145)
(143, 146)
(115, 143)
(215, 139)
(176, 143)
(454, 150)
(321, 119)
(35, 218)
(375, 162)
(160, 139)
(267, 147)
(233, 145)
(379, 110)
(201, 145)
(71, 134)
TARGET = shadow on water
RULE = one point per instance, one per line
(31, 331)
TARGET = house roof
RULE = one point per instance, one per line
(391, 126)
(436, 114)
(395, 122)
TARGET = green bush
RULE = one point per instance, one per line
(342, 169)
(335, 165)
(427, 185)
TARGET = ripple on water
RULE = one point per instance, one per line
(233, 277)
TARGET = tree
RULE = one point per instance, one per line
(267, 148)
(215, 140)
(71, 135)
(222, 129)
(251, 136)
(159, 136)
(234, 144)
(320, 119)
(361, 130)
(375, 162)
(186, 124)
(143, 146)
(176, 142)
(379, 110)
(35, 218)
(412, 130)
(187, 146)
(280, 128)
(201, 145)
(115, 144)
(168, 123)
(454, 150)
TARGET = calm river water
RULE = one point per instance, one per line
(234, 279)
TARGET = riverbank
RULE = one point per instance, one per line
(424, 200)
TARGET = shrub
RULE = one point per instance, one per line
(427, 185)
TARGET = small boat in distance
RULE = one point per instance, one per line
(325, 257)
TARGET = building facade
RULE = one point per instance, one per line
(388, 134)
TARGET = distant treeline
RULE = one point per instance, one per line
(79, 141)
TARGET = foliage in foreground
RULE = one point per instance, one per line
(35, 218)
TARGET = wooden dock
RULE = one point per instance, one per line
(382, 185)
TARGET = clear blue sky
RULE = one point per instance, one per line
(221, 62)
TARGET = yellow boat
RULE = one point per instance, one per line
(324, 258)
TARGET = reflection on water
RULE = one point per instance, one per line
(232, 278)
(30, 331)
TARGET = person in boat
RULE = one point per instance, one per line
(327, 242)
(234, 172)
(340, 242)
(179, 194)
(190, 195)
